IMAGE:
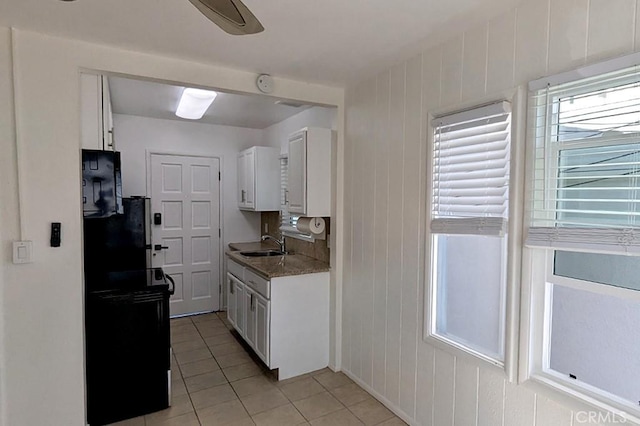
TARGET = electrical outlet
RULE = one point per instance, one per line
(266, 228)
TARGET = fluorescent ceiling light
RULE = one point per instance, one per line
(194, 103)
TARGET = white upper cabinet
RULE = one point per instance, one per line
(309, 174)
(107, 116)
(259, 179)
(96, 114)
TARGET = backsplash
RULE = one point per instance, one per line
(317, 250)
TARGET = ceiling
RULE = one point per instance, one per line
(324, 41)
(158, 100)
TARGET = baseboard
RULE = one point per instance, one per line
(391, 406)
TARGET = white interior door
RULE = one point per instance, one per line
(185, 191)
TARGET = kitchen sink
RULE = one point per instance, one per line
(262, 253)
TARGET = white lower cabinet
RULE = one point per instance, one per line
(261, 316)
(285, 320)
(250, 323)
(232, 289)
(248, 311)
(235, 302)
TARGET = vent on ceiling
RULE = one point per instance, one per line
(292, 104)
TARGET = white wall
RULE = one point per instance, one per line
(9, 228)
(135, 135)
(385, 174)
(278, 134)
(42, 358)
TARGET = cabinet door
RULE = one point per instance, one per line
(231, 299)
(107, 117)
(250, 179)
(263, 316)
(297, 174)
(241, 307)
(91, 111)
(241, 180)
(250, 316)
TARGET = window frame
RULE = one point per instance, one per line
(287, 228)
(514, 242)
(538, 275)
(535, 371)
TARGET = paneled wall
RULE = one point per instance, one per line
(385, 206)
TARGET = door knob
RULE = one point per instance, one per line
(159, 247)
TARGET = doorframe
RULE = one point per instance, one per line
(220, 158)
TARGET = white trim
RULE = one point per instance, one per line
(616, 241)
(470, 114)
(512, 329)
(291, 232)
(395, 409)
(515, 234)
(565, 397)
(619, 292)
(589, 394)
(587, 71)
(461, 351)
(535, 333)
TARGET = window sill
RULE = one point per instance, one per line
(291, 232)
(578, 402)
(460, 351)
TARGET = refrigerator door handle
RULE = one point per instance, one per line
(173, 284)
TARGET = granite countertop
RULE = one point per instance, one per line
(275, 266)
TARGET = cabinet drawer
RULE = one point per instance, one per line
(235, 269)
(257, 283)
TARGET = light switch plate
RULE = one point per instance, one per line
(22, 252)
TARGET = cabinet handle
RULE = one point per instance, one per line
(252, 307)
(286, 196)
(242, 194)
(231, 287)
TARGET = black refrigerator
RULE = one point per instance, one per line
(128, 364)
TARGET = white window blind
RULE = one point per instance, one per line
(586, 188)
(285, 218)
(471, 171)
(287, 221)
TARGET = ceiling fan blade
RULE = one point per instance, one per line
(230, 15)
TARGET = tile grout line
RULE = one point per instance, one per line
(221, 370)
(264, 374)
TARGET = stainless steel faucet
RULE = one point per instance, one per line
(277, 241)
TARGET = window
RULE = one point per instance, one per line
(469, 222)
(287, 221)
(584, 232)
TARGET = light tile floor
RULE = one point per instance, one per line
(216, 381)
